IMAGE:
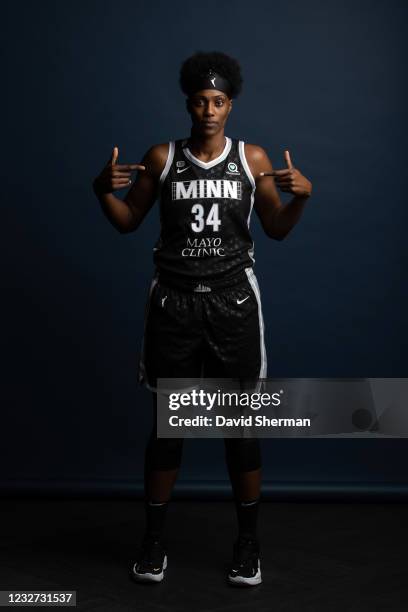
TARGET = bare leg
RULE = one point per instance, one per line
(243, 459)
(159, 484)
(246, 486)
(162, 462)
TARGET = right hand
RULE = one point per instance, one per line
(115, 176)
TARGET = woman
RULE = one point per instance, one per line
(203, 314)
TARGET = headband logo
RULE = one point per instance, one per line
(209, 79)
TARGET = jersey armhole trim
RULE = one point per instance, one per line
(241, 149)
(169, 161)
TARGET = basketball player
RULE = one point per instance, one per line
(203, 313)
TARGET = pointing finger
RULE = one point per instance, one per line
(129, 167)
(277, 173)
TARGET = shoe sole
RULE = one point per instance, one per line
(243, 581)
(147, 576)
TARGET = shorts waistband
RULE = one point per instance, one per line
(201, 285)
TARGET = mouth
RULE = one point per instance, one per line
(209, 123)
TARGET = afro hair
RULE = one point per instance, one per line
(201, 62)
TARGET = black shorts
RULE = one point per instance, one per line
(197, 329)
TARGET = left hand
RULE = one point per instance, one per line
(290, 179)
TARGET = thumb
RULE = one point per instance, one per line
(114, 156)
(288, 160)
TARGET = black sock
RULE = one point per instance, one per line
(155, 516)
(247, 514)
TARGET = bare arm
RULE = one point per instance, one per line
(277, 219)
(127, 214)
(267, 201)
(145, 190)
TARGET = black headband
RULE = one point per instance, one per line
(211, 80)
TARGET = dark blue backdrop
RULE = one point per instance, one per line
(324, 80)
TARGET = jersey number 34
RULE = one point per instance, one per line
(212, 218)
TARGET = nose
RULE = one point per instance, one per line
(208, 111)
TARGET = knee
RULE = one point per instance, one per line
(163, 453)
(243, 454)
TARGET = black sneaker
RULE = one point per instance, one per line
(246, 566)
(151, 563)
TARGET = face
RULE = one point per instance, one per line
(209, 110)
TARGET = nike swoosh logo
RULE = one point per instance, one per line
(182, 169)
(240, 301)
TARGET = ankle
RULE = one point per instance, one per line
(247, 515)
(247, 536)
(155, 518)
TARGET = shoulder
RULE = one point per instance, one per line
(155, 158)
(257, 158)
(254, 152)
(157, 154)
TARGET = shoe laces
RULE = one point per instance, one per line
(152, 553)
(245, 552)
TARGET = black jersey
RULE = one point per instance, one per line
(205, 211)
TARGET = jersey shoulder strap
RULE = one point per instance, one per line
(244, 162)
(170, 157)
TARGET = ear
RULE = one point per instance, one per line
(230, 105)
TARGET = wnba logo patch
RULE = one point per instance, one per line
(232, 168)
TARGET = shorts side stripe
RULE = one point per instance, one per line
(254, 284)
(142, 366)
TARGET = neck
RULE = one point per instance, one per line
(208, 147)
